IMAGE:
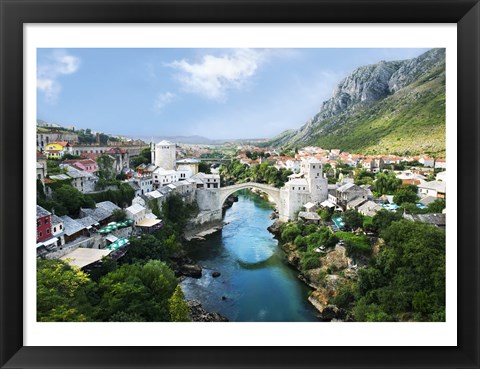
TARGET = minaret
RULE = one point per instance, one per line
(152, 151)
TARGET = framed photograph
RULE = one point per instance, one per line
(189, 103)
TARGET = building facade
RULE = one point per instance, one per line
(44, 224)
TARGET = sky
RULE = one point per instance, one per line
(215, 93)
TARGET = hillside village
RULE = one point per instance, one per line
(100, 171)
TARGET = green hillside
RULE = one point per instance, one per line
(411, 121)
(383, 108)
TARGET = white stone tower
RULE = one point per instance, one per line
(313, 170)
(165, 155)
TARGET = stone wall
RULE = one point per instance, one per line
(207, 200)
(204, 221)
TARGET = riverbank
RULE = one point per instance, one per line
(335, 274)
(199, 314)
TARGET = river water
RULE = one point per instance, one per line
(255, 285)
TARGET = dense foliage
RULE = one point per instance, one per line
(122, 197)
(406, 281)
(145, 157)
(141, 289)
(66, 200)
(236, 172)
(62, 293)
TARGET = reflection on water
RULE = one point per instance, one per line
(255, 283)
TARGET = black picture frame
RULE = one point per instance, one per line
(15, 13)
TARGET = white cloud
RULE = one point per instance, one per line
(214, 75)
(163, 100)
(49, 70)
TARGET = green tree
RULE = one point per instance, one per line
(40, 190)
(153, 205)
(361, 176)
(179, 311)
(300, 242)
(325, 215)
(62, 293)
(356, 246)
(437, 206)
(138, 289)
(384, 218)
(143, 158)
(119, 215)
(368, 224)
(290, 232)
(352, 218)
(204, 167)
(149, 247)
(406, 281)
(387, 183)
(404, 195)
(71, 199)
(105, 167)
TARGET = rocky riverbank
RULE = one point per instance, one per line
(336, 273)
(201, 236)
(182, 265)
(199, 314)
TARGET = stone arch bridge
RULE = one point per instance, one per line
(211, 200)
(273, 192)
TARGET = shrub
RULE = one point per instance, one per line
(310, 260)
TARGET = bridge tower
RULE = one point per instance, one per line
(318, 185)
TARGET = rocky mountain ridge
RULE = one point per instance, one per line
(357, 100)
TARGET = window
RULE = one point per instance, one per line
(293, 188)
(39, 223)
(48, 231)
(54, 229)
(39, 234)
(314, 167)
(61, 226)
(46, 221)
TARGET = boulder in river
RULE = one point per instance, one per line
(191, 270)
(215, 274)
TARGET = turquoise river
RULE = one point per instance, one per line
(256, 284)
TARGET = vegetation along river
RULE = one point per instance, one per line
(255, 282)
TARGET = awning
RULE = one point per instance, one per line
(82, 257)
(327, 204)
(117, 244)
(148, 222)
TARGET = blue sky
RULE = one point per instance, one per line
(215, 93)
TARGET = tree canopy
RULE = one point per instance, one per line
(407, 279)
(137, 289)
(62, 293)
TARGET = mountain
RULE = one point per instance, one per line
(388, 107)
(200, 140)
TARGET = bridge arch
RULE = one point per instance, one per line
(273, 192)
